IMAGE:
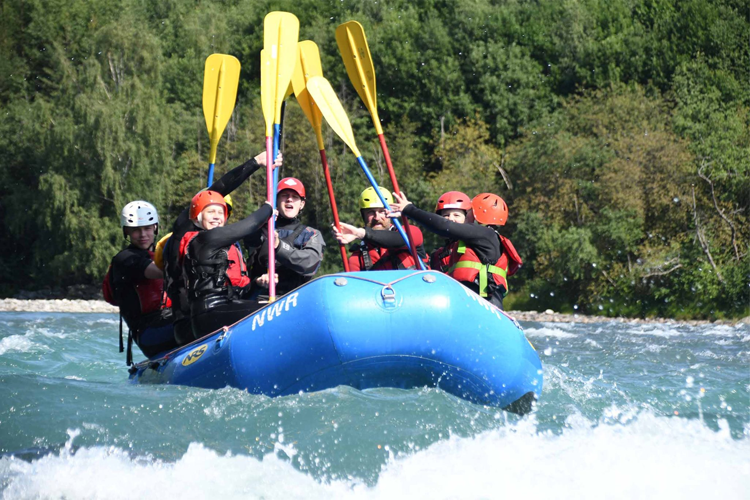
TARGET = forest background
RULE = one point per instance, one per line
(618, 132)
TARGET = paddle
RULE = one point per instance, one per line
(308, 66)
(278, 58)
(355, 52)
(220, 80)
(330, 106)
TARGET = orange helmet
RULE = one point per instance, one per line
(204, 199)
(489, 209)
(453, 199)
(293, 184)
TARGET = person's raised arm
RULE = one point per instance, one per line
(235, 177)
(220, 237)
(437, 224)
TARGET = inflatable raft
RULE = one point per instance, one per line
(400, 329)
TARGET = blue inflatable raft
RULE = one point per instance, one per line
(400, 329)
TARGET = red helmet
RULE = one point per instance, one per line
(293, 184)
(204, 199)
(490, 209)
(453, 199)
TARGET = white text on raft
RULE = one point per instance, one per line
(274, 310)
(486, 304)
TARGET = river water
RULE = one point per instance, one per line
(628, 411)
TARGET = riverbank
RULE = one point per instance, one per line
(100, 306)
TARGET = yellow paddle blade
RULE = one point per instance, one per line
(330, 106)
(280, 34)
(266, 91)
(220, 80)
(290, 88)
(307, 67)
(355, 52)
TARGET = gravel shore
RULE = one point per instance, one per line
(59, 305)
(99, 306)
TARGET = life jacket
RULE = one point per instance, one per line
(107, 288)
(174, 282)
(296, 235)
(440, 258)
(150, 293)
(466, 266)
(373, 258)
(221, 274)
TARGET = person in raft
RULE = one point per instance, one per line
(162, 243)
(214, 268)
(480, 258)
(299, 248)
(175, 281)
(453, 206)
(136, 285)
(381, 247)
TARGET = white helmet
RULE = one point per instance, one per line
(138, 213)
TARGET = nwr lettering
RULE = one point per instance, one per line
(275, 310)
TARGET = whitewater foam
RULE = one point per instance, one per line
(650, 457)
(548, 332)
(20, 343)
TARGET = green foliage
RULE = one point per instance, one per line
(618, 132)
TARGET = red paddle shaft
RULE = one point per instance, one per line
(335, 211)
(417, 261)
(271, 222)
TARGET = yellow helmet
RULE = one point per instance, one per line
(230, 204)
(369, 198)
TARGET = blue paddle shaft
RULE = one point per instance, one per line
(374, 184)
(210, 174)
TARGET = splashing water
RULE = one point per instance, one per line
(628, 411)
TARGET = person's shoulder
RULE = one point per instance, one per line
(129, 253)
(131, 261)
(309, 233)
(312, 231)
(484, 231)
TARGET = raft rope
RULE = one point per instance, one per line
(415, 273)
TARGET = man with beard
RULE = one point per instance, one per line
(299, 248)
(381, 247)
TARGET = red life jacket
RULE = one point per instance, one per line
(465, 265)
(107, 291)
(150, 292)
(230, 265)
(368, 257)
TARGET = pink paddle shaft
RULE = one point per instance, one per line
(335, 211)
(404, 220)
(271, 222)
